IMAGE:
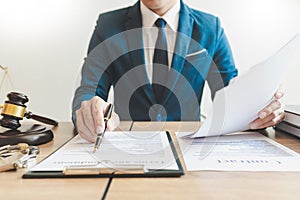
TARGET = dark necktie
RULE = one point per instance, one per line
(160, 61)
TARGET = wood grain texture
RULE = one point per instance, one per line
(211, 184)
(193, 185)
(12, 186)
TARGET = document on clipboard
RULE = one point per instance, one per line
(122, 154)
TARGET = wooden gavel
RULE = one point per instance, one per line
(14, 110)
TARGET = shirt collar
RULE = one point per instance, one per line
(171, 17)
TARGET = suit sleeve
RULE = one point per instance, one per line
(223, 68)
(96, 37)
(95, 74)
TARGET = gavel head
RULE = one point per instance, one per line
(13, 110)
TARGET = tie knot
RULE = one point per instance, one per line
(160, 23)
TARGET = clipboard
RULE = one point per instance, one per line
(116, 171)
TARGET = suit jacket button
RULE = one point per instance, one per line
(158, 118)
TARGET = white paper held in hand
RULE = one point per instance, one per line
(236, 105)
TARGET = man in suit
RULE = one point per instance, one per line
(157, 55)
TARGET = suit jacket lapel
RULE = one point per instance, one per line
(185, 28)
(135, 45)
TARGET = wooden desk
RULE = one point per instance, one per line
(193, 185)
(211, 184)
(12, 186)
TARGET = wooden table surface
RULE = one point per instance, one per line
(211, 184)
(193, 185)
(12, 186)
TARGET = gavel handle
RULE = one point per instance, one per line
(30, 115)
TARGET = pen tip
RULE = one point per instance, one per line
(95, 149)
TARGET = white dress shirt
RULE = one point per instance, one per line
(150, 33)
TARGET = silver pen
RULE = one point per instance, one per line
(100, 136)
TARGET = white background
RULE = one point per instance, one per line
(43, 43)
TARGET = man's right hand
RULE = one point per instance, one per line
(90, 119)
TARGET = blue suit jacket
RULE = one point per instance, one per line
(116, 57)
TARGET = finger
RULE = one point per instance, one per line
(280, 92)
(82, 129)
(273, 122)
(114, 122)
(86, 137)
(98, 109)
(87, 117)
(273, 106)
(259, 123)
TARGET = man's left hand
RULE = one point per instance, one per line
(272, 114)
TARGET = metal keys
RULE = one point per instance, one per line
(17, 156)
